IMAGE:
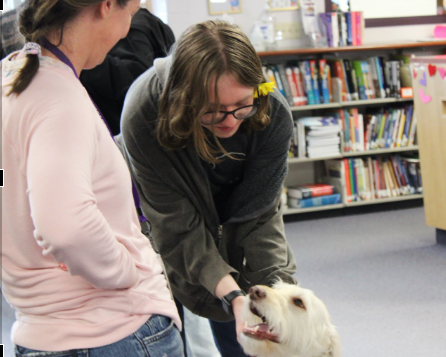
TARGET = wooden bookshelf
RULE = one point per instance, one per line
(290, 210)
(295, 160)
(430, 108)
(416, 45)
(304, 170)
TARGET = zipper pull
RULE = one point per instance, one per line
(220, 231)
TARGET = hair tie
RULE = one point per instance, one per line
(265, 88)
(32, 48)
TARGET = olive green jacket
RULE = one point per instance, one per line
(176, 198)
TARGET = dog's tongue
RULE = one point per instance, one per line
(260, 332)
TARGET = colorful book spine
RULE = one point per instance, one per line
(324, 72)
(319, 201)
(409, 114)
(315, 81)
(350, 196)
(310, 190)
(306, 73)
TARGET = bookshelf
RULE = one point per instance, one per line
(430, 106)
(304, 170)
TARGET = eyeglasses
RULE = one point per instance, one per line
(241, 113)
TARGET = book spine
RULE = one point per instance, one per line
(315, 81)
(306, 73)
(308, 192)
(412, 131)
(335, 29)
(297, 77)
(405, 139)
(286, 86)
(347, 181)
(278, 81)
(320, 201)
(293, 85)
(324, 70)
(348, 22)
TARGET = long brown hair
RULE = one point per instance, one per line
(37, 18)
(204, 52)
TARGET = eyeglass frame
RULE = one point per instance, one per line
(226, 113)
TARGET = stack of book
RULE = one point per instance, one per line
(342, 28)
(316, 137)
(312, 195)
(374, 178)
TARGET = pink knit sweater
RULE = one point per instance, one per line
(67, 199)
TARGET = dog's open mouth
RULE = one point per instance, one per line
(260, 331)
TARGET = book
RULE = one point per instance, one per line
(315, 201)
(362, 91)
(305, 72)
(335, 175)
(315, 81)
(293, 85)
(324, 72)
(286, 87)
(315, 141)
(310, 190)
(297, 77)
(351, 79)
(325, 25)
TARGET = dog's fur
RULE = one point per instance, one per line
(292, 322)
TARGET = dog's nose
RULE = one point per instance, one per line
(256, 293)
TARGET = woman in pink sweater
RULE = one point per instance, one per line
(76, 268)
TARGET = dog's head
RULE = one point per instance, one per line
(287, 320)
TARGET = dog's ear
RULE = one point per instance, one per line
(334, 342)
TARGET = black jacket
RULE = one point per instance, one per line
(107, 84)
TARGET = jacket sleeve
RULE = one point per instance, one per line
(266, 252)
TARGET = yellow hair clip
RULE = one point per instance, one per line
(265, 88)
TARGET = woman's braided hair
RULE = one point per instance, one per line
(37, 18)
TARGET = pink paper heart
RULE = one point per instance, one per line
(425, 98)
(442, 72)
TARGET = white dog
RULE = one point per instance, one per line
(287, 321)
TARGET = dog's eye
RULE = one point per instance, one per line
(299, 303)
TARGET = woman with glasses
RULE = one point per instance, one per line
(207, 142)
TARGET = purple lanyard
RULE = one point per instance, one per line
(60, 55)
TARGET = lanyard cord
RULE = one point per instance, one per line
(60, 55)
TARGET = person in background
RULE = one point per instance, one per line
(107, 83)
(207, 143)
(76, 268)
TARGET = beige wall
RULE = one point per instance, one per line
(183, 13)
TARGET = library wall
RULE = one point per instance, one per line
(183, 13)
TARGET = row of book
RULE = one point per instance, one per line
(312, 195)
(385, 128)
(348, 130)
(374, 178)
(342, 28)
(315, 137)
(302, 83)
(313, 82)
(373, 77)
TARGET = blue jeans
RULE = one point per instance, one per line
(225, 338)
(158, 337)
